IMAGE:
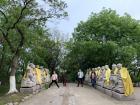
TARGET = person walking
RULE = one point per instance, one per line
(54, 79)
(93, 78)
(64, 80)
(80, 78)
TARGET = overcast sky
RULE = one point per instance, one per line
(81, 9)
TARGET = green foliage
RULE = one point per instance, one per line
(24, 34)
(46, 86)
(105, 38)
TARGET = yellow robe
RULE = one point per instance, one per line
(116, 71)
(45, 74)
(38, 72)
(128, 85)
(107, 76)
(25, 75)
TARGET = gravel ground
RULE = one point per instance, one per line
(72, 95)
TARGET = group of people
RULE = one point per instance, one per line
(54, 78)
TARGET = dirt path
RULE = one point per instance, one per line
(72, 95)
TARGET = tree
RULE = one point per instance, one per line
(19, 20)
(104, 38)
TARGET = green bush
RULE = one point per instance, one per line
(46, 86)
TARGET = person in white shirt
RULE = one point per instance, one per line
(80, 78)
(54, 79)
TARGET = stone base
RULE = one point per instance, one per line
(100, 83)
(122, 96)
(108, 92)
(88, 83)
(29, 90)
(119, 90)
(42, 86)
(38, 86)
(109, 87)
(100, 88)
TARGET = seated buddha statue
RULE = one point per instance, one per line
(28, 79)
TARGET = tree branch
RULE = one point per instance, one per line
(7, 40)
(6, 19)
(34, 20)
(21, 14)
(21, 40)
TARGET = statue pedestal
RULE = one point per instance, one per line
(100, 83)
(108, 92)
(28, 90)
(32, 90)
(119, 90)
(122, 97)
(109, 87)
(38, 87)
(100, 88)
(88, 83)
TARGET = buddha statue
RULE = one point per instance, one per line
(103, 73)
(47, 75)
(43, 75)
(29, 79)
(114, 70)
(114, 76)
(101, 76)
(107, 75)
(124, 84)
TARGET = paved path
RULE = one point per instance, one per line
(72, 95)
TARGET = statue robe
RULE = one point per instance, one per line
(115, 71)
(38, 72)
(107, 76)
(128, 85)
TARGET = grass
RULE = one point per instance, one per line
(13, 97)
(3, 90)
(9, 98)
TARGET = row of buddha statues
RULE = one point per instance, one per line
(116, 79)
(35, 75)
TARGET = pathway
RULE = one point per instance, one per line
(72, 95)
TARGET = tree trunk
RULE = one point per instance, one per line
(2, 59)
(14, 63)
(12, 79)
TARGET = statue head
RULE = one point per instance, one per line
(98, 68)
(106, 67)
(114, 66)
(119, 66)
(32, 65)
(102, 68)
(41, 68)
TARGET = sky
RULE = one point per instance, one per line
(80, 10)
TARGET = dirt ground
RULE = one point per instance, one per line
(72, 95)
